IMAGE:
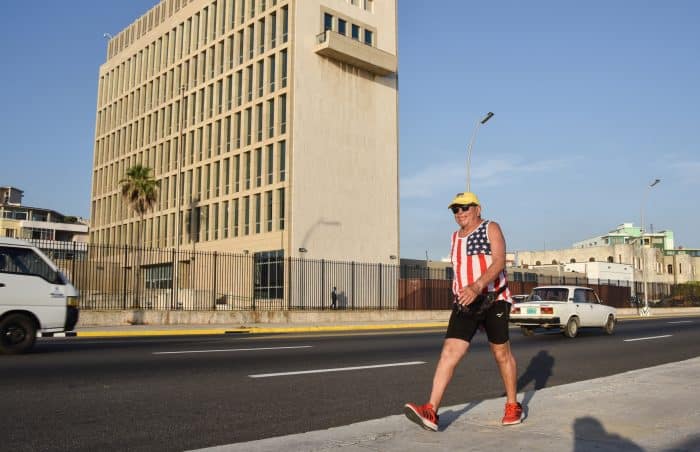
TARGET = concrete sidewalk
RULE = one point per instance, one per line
(653, 409)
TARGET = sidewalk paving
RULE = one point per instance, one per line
(653, 409)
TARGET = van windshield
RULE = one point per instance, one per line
(549, 294)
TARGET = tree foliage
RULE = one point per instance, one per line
(139, 189)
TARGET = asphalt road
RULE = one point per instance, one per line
(181, 393)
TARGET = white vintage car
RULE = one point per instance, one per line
(563, 307)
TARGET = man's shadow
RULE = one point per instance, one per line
(589, 433)
(538, 371)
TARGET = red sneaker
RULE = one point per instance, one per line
(513, 415)
(423, 415)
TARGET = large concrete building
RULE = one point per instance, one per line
(283, 114)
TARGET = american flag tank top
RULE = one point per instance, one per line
(471, 256)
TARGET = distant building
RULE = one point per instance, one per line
(53, 229)
(662, 262)
(626, 233)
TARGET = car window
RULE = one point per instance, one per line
(550, 294)
(580, 296)
(591, 297)
(25, 261)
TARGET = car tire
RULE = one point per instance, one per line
(527, 330)
(571, 328)
(17, 334)
(610, 325)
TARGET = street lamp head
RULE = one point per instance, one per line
(483, 120)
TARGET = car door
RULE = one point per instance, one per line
(584, 309)
(600, 311)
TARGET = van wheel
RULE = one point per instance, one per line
(17, 334)
(610, 325)
(571, 328)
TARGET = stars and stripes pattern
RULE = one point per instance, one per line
(471, 256)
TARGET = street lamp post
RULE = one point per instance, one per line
(178, 150)
(483, 120)
(645, 309)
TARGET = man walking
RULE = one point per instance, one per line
(482, 299)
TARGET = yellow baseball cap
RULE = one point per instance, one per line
(463, 199)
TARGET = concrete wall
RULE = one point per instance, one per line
(344, 161)
(137, 317)
(244, 318)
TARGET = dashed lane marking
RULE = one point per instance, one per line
(337, 369)
(647, 338)
(223, 350)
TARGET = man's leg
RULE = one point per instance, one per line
(452, 352)
(426, 415)
(508, 368)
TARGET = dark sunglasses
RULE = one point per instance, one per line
(463, 208)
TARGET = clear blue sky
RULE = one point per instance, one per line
(592, 101)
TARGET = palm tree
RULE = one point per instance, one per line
(140, 191)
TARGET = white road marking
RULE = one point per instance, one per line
(231, 350)
(337, 369)
(682, 321)
(647, 338)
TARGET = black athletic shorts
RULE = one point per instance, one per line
(463, 325)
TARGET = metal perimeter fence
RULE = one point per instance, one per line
(123, 277)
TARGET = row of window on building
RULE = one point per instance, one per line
(213, 21)
(13, 214)
(637, 264)
(244, 171)
(247, 215)
(343, 27)
(31, 233)
(163, 92)
(253, 125)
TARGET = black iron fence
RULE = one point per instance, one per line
(122, 277)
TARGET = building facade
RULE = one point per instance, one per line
(271, 126)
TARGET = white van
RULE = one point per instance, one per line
(35, 297)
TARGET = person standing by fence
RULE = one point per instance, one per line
(482, 300)
(334, 298)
